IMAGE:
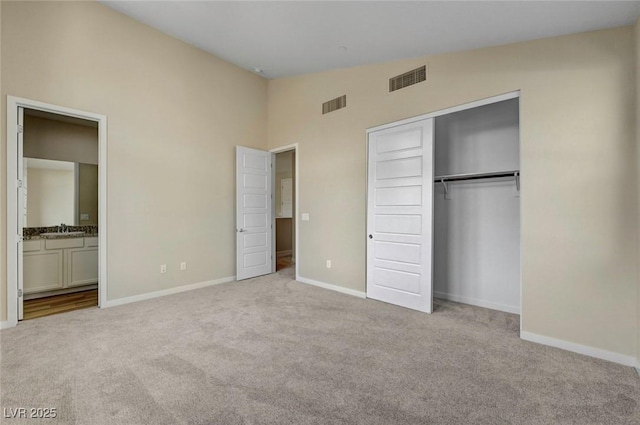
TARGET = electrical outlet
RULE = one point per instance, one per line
(183, 265)
(328, 264)
(163, 268)
(305, 216)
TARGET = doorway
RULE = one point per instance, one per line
(257, 211)
(285, 209)
(56, 209)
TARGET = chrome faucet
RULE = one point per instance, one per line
(63, 228)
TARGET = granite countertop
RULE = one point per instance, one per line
(61, 236)
(36, 233)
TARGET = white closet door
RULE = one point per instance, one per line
(254, 213)
(400, 215)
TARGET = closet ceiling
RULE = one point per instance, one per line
(286, 38)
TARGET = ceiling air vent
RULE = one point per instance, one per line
(407, 79)
(334, 104)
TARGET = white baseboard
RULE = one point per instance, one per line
(477, 302)
(332, 287)
(170, 291)
(6, 324)
(598, 353)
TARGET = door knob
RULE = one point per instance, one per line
(240, 230)
(370, 236)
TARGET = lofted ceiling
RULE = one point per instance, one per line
(287, 38)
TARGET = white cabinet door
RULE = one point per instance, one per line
(43, 271)
(400, 215)
(82, 266)
(254, 213)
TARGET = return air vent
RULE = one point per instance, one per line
(407, 79)
(334, 104)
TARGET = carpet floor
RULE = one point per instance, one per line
(273, 351)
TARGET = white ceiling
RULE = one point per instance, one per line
(286, 38)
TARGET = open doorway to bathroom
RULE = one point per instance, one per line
(285, 202)
(17, 209)
(59, 213)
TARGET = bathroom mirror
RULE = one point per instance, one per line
(60, 192)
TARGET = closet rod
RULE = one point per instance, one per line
(476, 176)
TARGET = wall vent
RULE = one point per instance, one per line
(407, 79)
(334, 104)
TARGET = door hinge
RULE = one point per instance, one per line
(19, 293)
(20, 129)
(19, 183)
(20, 238)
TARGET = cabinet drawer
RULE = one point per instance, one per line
(89, 242)
(30, 246)
(64, 243)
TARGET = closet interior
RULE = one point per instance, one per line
(443, 207)
(476, 206)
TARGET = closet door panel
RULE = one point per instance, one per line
(400, 215)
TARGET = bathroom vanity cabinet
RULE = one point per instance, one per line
(51, 264)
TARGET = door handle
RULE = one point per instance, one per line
(241, 230)
(370, 236)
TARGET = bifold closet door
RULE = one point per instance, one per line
(400, 215)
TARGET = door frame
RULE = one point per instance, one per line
(13, 103)
(293, 147)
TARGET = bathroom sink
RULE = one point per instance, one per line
(62, 234)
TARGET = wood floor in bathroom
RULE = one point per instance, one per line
(282, 262)
(47, 306)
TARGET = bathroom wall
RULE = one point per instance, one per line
(88, 194)
(63, 141)
(51, 197)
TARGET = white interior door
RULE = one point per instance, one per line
(400, 215)
(22, 206)
(254, 213)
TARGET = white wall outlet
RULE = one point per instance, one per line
(183, 265)
(305, 216)
(163, 268)
(328, 264)
(84, 217)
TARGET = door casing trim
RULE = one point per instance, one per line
(13, 103)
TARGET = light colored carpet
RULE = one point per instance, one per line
(274, 351)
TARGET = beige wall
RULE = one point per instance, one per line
(579, 276)
(87, 194)
(174, 113)
(62, 141)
